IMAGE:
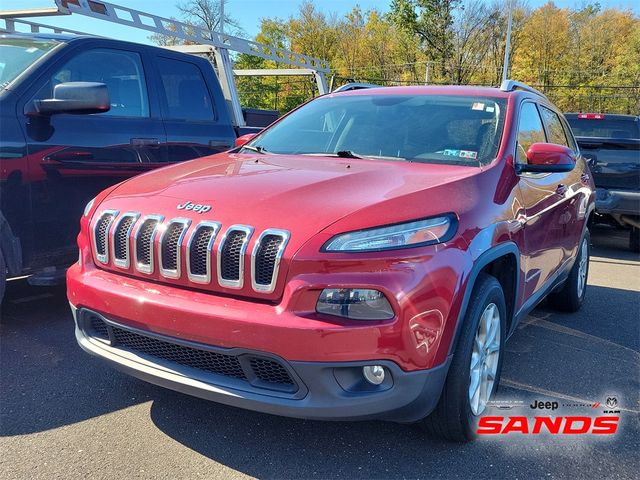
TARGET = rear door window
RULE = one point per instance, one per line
(554, 127)
(530, 130)
(186, 93)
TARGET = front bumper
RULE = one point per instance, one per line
(324, 390)
(619, 202)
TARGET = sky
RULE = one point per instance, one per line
(247, 12)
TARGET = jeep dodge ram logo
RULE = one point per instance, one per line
(198, 208)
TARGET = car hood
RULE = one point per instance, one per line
(302, 194)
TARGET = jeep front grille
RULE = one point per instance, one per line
(175, 243)
(101, 233)
(144, 243)
(199, 251)
(265, 260)
(231, 256)
(171, 246)
(121, 236)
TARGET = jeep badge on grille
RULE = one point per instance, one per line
(198, 208)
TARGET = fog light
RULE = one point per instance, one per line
(354, 303)
(374, 374)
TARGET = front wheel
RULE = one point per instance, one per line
(474, 373)
(570, 297)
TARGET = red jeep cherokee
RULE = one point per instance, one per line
(366, 256)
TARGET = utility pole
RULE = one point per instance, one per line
(426, 73)
(507, 48)
(222, 16)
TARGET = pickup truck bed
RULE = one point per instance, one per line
(611, 144)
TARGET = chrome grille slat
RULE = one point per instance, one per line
(231, 252)
(170, 248)
(101, 235)
(120, 239)
(199, 250)
(144, 243)
(265, 259)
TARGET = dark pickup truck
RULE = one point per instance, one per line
(611, 144)
(81, 113)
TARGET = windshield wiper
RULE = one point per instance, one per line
(347, 154)
(257, 149)
(350, 154)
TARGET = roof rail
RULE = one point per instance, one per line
(511, 85)
(354, 86)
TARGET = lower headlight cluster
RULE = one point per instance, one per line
(355, 304)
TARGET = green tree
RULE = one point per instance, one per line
(432, 21)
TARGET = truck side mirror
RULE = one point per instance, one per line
(548, 158)
(75, 97)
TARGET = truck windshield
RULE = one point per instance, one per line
(450, 129)
(605, 127)
(17, 54)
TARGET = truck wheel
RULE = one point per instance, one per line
(570, 297)
(474, 373)
(3, 276)
(634, 239)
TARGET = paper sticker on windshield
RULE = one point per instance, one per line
(451, 152)
(468, 154)
(489, 109)
(477, 106)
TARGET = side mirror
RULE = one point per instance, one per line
(75, 97)
(548, 158)
(241, 140)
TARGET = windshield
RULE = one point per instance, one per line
(605, 128)
(17, 54)
(420, 128)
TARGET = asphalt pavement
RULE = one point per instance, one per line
(64, 414)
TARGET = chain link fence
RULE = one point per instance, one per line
(285, 93)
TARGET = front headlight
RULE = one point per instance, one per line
(88, 207)
(402, 235)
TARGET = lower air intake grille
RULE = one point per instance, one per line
(226, 365)
(99, 329)
(270, 371)
(231, 255)
(260, 372)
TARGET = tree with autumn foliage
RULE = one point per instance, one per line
(586, 58)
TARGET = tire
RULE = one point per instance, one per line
(570, 297)
(3, 276)
(456, 414)
(634, 239)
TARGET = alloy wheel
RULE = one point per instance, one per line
(582, 267)
(484, 359)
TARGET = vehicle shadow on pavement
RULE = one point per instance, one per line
(46, 380)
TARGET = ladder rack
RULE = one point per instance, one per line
(199, 41)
